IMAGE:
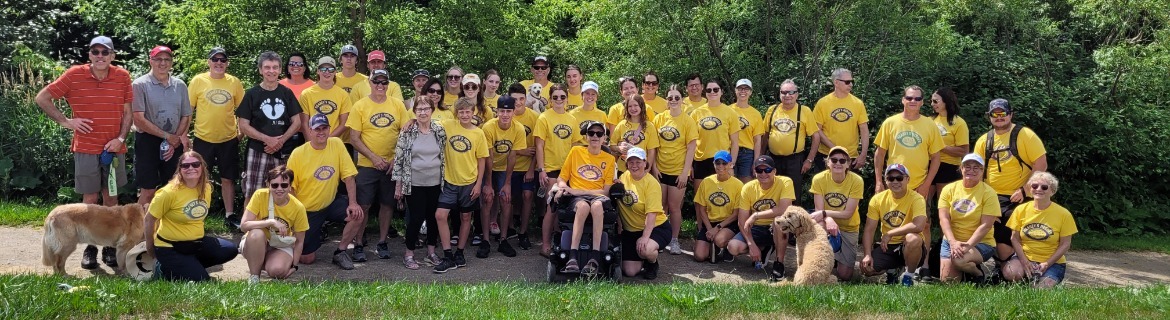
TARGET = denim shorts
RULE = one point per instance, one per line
(744, 161)
(985, 250)
(1055, 272)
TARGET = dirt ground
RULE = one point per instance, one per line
(21, 253)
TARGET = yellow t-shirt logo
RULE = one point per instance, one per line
(1038, 231)
(894, 219)
(196, 209)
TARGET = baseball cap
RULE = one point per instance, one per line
(102, 40)
(326, 60)
(349, 48)
(318, 120)
(838, 149)
(589, 85)
(470, 78)
(215, 51)
(379, 73)
(999, 104)
(506, 102)
(540, 58)
(973, 157)
(722, 155)
(743, 82)
(140, 262)
(420, 73)
(160, 49)
(897, 167)
(375, 55)
(636, 152)
(765, 160)
(590, 124)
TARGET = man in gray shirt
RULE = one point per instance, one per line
(162, 113)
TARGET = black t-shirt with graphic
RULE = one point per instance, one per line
(270, 112)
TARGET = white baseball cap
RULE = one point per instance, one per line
(636, 152)
(470, 78)
(743, 82)
(589, 85)
(973, 157)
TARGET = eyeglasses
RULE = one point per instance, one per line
(190, 165)
(1037, 186)
(326, 69)
(291, 63)
(764, 170)
(223, 60)
(559, 97)
(275, 185)
(846, 82)
(539, 67)
(997, 115)
(711, 90)
(673, 98)
(909, 98)
(380, 82)
(100, 53)
(432, 90)
(162, 60)
(470, 86)
(743, 88)
(593, 133)
(895, 178)
(454, 77)
(839, 160)
(421, 109)
(650, 83)
(788, 93)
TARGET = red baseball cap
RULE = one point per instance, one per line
(375, 55)
(160, 49)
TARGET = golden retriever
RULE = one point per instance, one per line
(814, 255)
(71, 224)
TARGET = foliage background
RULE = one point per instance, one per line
(1089, 76)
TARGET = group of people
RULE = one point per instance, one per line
(460, 156)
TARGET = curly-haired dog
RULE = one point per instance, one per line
(70, 224)
(814, 255)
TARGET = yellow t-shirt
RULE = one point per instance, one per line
(952, 135)
(492, 103)
(910, 143)
(317, 173)
(544, 91)
(839, 118)
(332, 102)
(656, 106)
(180, 212)
(716, 124)
(441, 115)
(361, 90)
(893, 213)
(583, 115)
(449, 100)
(754, 198)
(674, 134)
(214, 102)
(480, 118)
(1005, 174)
(628, 132)
(720, 198)
(291, 214)
(617, 113)
(559, 131)
(464, 149)
(528, 122)
(837, 195)
(690, 106)
(574, 101)
(967, 206)
(587, 171)
(642, 197)
(503, 142)
(347, 83)
(1041, 230)
(751, 124)
(781, 138)
(379, 125)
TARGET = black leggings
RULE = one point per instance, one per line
(421, 205)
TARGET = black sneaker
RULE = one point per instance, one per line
(392, 233)
(359, 253)
(341, 259)
(777, 272)
(476, 240)
(89, 258)
(891, 276)
(650, 271)
(383, 250)
(444, 265)
(725, 255)
(506, 249)
(232, 222)
(511, 233)
(523, 242)
(110, 256)
(460, 261)
(485, 249)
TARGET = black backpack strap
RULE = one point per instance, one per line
(1014, 148)
(796, 143)
(988, 148)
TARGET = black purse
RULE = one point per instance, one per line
(189, 247)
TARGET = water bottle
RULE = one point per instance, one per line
(162, 153)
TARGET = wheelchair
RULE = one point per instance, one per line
(609, 264)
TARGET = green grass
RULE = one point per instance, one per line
(1099, 241)
(17, 215)
(38, 297)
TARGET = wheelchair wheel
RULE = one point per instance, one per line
(552, 275)
(615, 272)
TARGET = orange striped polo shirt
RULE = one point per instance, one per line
(103, 101)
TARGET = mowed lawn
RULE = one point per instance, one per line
(39, 297)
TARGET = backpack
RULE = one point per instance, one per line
(1013, 148)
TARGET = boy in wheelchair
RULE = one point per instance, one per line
(581, 196)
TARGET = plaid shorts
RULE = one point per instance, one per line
(258, 165)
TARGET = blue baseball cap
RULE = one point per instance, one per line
(723, 155)
(318, 120)
(899, 168)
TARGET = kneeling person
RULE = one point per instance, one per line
(836, 194)
(588, 176)
(967, 211)
(645, 228)
(271, 243)
(716, 202)
(761, 201)
(901, 215)
(319, 167)
(174, 228)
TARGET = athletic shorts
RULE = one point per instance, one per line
(847, 255)
(457, 198)
(701, 233)
(762, 235)
(703, 168)
(947, 173)
(89, 176)
(660, 234)
(669, 180)
(374, 184)
(224, 156)
(1003, 234)
(886, 260)
(150, 170)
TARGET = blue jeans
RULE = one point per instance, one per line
(744, 161)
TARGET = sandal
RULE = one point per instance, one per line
(571, 267)
(410, 263)
(590, 268)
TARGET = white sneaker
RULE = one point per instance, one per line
(253, 279)
(423, 230)
(675, 249)
(495, 229)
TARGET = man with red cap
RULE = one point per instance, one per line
(375, 60)
(162, 115)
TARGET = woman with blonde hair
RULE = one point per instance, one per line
(174, 230)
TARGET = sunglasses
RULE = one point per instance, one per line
(559, 97)
(997, 115)
(673, 98)
(764, 170)
(432, 90)
(190, 165)
(598, 134)
(846, 82)
(454, 77)
(101, 53)
(788, 93)
(711, 90)
(470, 86)
(539, 67)
(650, 83)
(326, 69)
(275, 185)
(895, 178)
(935, 101)
(1037, 186)
(721, 163)
(839, 160)
(223, 60)
(380, 82)
(290, 63)
(909, 98)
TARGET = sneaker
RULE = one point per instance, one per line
(341, 259)
(460, 261)
(511, 233)
(392, 233)
(524, 243)
(650, 271)
(675, 249)
(571, 267)
(423, 229)
(506, 249)
(476, 240)
(891, 276)
(444, 265)
(907, 279)
(432, 260)
(590, 269)
(359, 253)
(725, 255)
(923, 275)
(777, 272)
(89, 258)
(383, 250)
(495, 229)
(110, 256)
(253, 279)
(231, 221)
(409, 262)
(484, 250)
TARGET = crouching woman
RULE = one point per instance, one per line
(274, 224)
(175, 224)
